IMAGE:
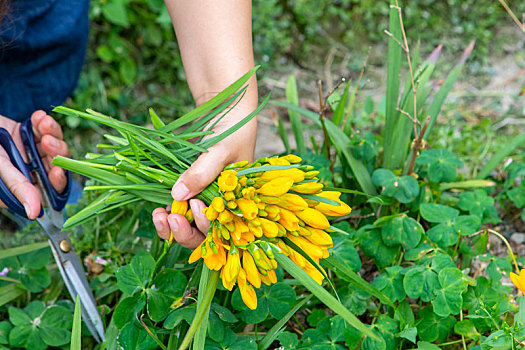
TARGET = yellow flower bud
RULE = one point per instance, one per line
(189, 216)
(225, 217)
(233, 265)
(294, 173)
(248, 192)
(270, 278)
(314, 273)
(333, 210)
(228, 180)
(248, 294)
(311, 174)
(292, 202)
(229, 196)
(252, 274)
(218, 204)
(289, 220)
(211, 214)
(308, 247)
(319, 237)
(179, 207)
(292, 158)
(276, 187)
(269, 228)
(277, 161)
(308, 188)
(269, 199)
(248, 207)
(231, 205)
(313, 218)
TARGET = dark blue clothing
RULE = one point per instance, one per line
(42, 49)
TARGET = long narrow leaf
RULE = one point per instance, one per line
(295, 118)
(76, 332)
(337, 117)
(322, 294)
(200, 335)
(497, 158)
(276, 329)
(9, 293)
(356, 280)
(7, 253)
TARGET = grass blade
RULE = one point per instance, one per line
(295, 118)
(9, 293)
(392, 84)
(435, 107)
(322, 294)
(497, 158)
(340, 109)
(341, 142)
(7, 253)
(283, 134)
(303, 111)
(200, 335)
(76, 332)
(276, 329)
(356, 280)
(155, 119)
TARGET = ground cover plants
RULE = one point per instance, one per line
(411, 266)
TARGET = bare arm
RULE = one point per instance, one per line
(215, 40)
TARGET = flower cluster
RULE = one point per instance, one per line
(271, 205)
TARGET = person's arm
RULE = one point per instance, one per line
(215, 40)
(48, 138)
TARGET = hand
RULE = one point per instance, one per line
(48, 139)
(238, 146)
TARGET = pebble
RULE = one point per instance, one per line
(518, 237)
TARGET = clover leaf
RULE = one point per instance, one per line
(448, 297)
(421, 282)
(137, 274)
(373, 246)
(403, 188)
(391, 283)
(432, 327)
(38, 326)
(133, 336)
(274, 301)
(30, 269)
(402, 230)
(231, 341)
(386, 328)
(480, 204)
(440, 164)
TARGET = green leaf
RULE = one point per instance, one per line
(276, 331)
(274, 301)
(480, 204)
(498, 157)
(135, 337)
(421, 282)
(136, 275)
(404, 188)
(448, 297)
(18, 317)
(57, 317)
(440, 164)
(127, 309)
(177, 316)
(374, 247)
(431, 327)
(446, 233)
(167, 286)
(76, 333)
(467, 329)
(437, 213)
(6, 253)
(5, 328)
(423, 345)
(344, 251)
(295, 118)
(9, 293)
(409, 334)
(498, 267)
(391, 283)
(402, 230)
(115, 12)
(321, 293)
(26, 336)
(288, 340)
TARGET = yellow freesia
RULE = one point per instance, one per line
(228, 180)
(313, 218)
(276, 187)
(248, 207)
(519, 280)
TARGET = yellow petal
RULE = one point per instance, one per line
(276, 187)
(314, 218)
(179, 207)
(248, 207)
(252, 274)
(228, 180)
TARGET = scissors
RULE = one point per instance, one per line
(51, 219)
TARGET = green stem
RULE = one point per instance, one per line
(508, 246)
(203, 310)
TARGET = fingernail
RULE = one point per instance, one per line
(54, 142)
(28, 209)
(174, 225)
(180, 191)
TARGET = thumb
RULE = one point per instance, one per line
(201, 173)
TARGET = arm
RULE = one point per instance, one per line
(215, 40)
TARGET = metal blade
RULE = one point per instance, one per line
(74, 276)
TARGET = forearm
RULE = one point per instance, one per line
(215, 40)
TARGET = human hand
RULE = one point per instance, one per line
(48, 139)
(238, 146)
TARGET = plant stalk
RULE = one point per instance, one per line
(203, 310)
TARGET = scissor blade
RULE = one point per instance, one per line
(74, 277)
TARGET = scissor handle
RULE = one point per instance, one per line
(16, 159)
(56, 200)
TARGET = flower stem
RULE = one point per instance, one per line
(202, 310)
(508, 246)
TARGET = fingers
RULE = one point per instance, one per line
(186, 235)
(19, 186)
(44, 124)
(58, 179)
(201, 173)
(203, 224)
(52, 146)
